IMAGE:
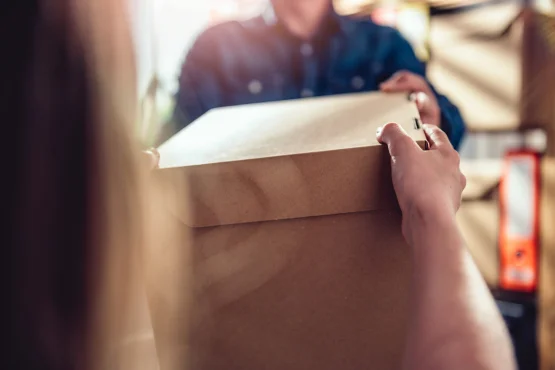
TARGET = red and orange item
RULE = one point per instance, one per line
(519, 229)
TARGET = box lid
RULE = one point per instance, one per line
(289, 159)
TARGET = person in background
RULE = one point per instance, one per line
(298, 49)
(79, 204)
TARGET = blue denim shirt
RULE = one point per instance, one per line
(258, 60)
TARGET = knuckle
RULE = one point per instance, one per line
(389, 127)
(452, 155)
(403, 140)
(400, 143)
(456, 157)
(463, 181)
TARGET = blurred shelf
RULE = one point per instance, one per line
(479, 223)
(478, 216)
(437, 6)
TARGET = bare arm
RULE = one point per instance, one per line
(455, 323)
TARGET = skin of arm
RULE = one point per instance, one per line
(455, 323)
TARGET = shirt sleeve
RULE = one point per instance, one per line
(405, 59)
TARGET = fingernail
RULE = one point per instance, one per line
(397, 76)
(379, 130)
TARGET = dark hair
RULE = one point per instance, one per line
(78, 204)
(46, 114)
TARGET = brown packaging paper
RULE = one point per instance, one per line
(296, 249)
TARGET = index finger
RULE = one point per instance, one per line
(405, 81)
(397, 140)
(436, 137)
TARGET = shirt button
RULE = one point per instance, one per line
(357, 82)
(307, 93)
(255, 87)
(306, 49)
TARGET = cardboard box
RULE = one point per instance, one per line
(297, 254)
(538, 71)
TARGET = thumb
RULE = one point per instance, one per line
(421, 99)
(397, 140)
(152, 158)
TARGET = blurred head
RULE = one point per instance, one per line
(73, 196)
(297, 2)
(299, 6)
(301, 17)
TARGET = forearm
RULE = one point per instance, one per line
(455, 323)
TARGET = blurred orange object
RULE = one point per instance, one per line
(519, 229)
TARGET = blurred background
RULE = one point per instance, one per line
(495, 60)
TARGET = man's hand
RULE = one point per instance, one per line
(419, 91)
(427, 182)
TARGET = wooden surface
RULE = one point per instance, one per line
(290, 159)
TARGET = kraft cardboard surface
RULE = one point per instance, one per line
(300, 294)
(538, 70)
(320, 293)
(297, 255)
(478, 70)
(324, 293)
(288, 159)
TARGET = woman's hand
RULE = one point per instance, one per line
(429, 183)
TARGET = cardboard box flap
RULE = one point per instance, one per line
(289, 159)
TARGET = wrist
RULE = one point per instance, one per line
(424, 222)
